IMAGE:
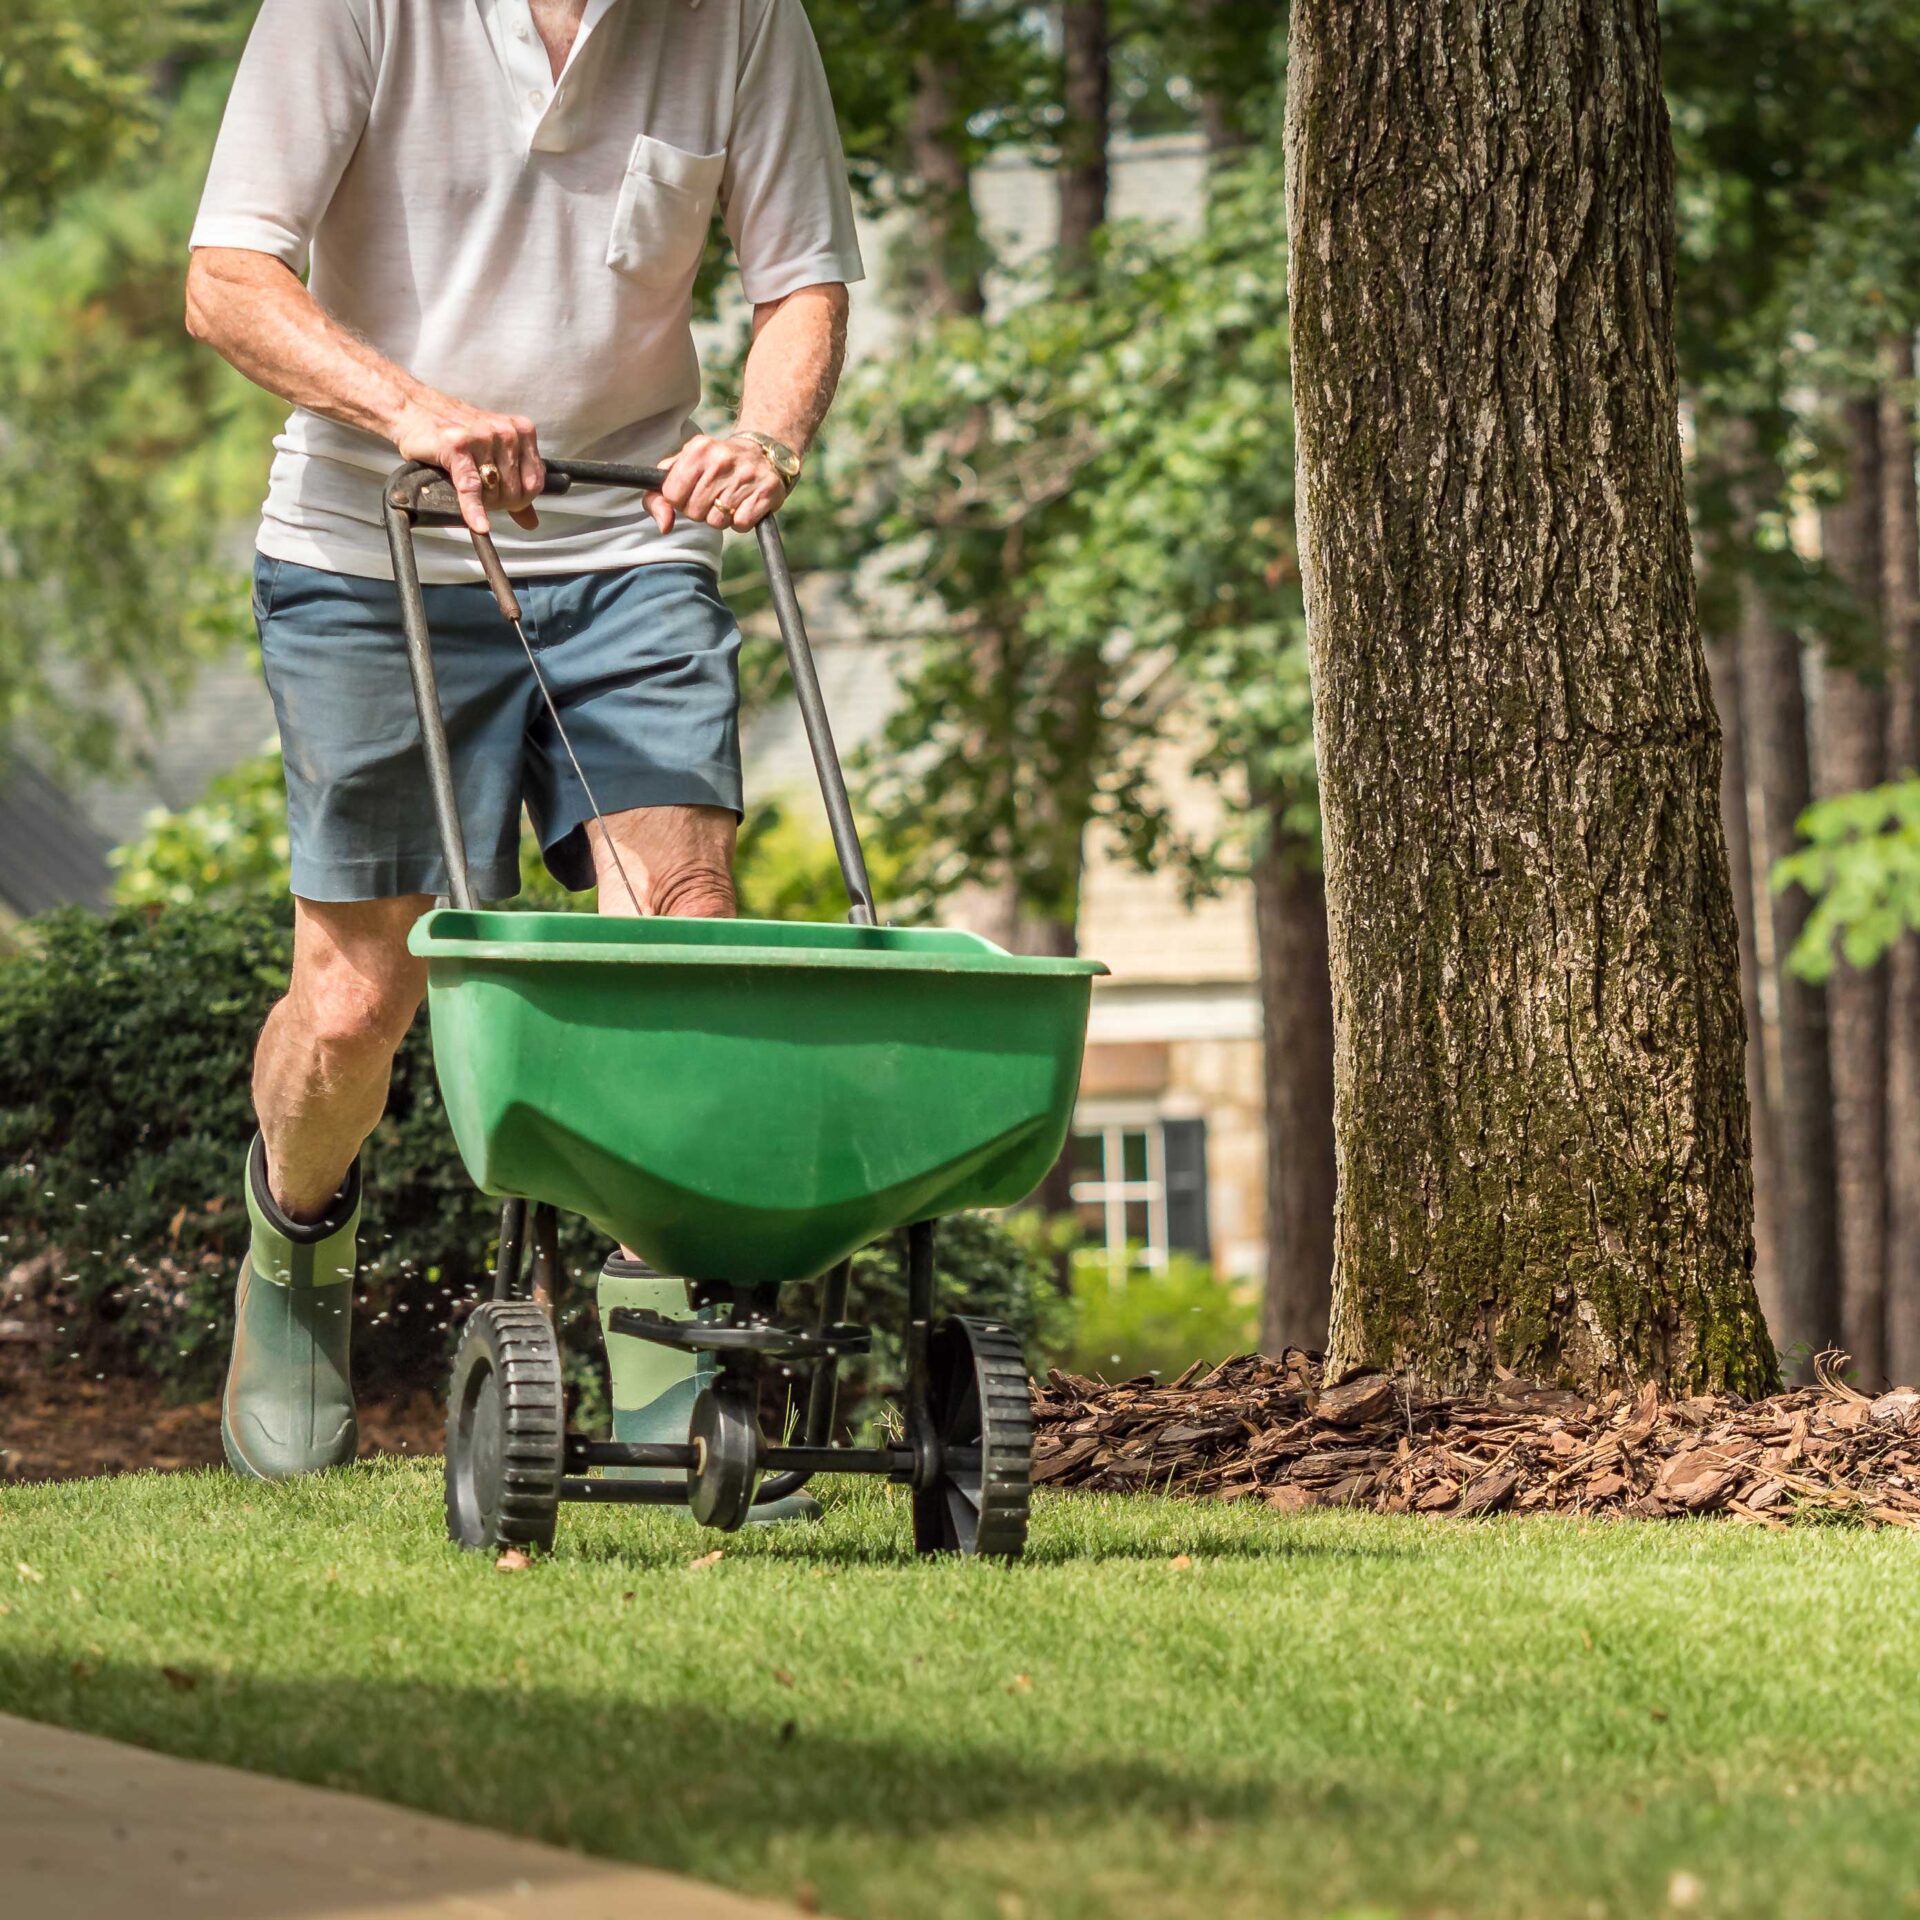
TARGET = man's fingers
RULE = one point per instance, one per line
(533, 470)
(465, 475)
(661, 508)
(525, 517)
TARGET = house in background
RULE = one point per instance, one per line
(51, 854)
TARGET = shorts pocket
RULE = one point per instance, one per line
(266, 582)
(661, 217)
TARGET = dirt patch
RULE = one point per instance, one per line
(1274, 1431)
(60, 1423)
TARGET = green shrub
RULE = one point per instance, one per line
(1159, 1322)
(125, 1044)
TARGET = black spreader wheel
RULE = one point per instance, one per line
(506, 1429)
(980, 1410)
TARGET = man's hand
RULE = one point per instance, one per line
(726, 483)
(447, 433)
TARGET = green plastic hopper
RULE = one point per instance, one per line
(749, 1100)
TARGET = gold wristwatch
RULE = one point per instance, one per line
(785, 462)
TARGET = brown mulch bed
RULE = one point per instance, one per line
(59, 1423)
(1271, 1430)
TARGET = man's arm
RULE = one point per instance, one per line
(793, 366)
(254, 312)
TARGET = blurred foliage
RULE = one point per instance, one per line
(229, 846)
(124, 1114)
(83, 86)
(1159, 1321)
(1089, 499)
(143, 451)
(1861, 864)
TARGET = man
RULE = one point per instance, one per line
(504, 203)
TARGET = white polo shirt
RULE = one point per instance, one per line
(524, 244)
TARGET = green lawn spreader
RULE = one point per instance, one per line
(745, 1104)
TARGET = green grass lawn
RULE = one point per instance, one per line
(1326, 1714)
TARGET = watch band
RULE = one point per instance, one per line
(781, 457)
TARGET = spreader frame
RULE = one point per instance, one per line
(970, 1488)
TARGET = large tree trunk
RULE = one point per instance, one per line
(1296, 999)
(1851, 735)
(1808, 1313)
(1900, 630)
(947, 251)
(1541, 1117)
(1083, 134)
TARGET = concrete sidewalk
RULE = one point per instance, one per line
(92, 1830)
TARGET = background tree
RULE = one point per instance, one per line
(1540, 1104)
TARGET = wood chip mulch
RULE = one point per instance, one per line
(1272, 1430)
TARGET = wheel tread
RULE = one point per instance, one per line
(515, 1341)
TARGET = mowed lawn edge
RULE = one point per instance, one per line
(1170, 1708)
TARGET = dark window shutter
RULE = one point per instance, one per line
(1184, 1143)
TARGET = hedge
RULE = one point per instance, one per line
(125, 1044)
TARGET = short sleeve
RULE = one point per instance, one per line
(295, 115)
(784, 194)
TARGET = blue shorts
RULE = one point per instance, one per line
(643, 663)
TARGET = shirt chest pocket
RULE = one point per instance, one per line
(661, 216)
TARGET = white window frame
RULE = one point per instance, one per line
(1113, 1192)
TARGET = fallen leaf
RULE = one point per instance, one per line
(180, 1680)
(1181, 1562)
(1685, 1890)
(30, 1574)
(702, 1561)
(782, 1677)
(512, 1561)
(627, 1595)
(1020, 1684)
(82, 1670)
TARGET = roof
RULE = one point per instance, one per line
(50, 855)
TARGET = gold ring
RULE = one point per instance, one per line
(721, 507)
(489, 476)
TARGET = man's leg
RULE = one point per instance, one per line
(321, 1070)
(320, 1082)
(679, 858)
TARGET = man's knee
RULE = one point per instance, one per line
(355, 986)
(348, 1012)
(694, 889)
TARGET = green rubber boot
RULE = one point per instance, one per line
(288, 1405)
(654, 1387)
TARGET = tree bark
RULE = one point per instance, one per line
(1851, 737)
(1900, 634)
(948, 257)
(1772, 686)
(1083, 135)
(1541, 1114)
(1296, 998)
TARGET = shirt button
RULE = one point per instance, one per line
(535, 97)
(519, 29)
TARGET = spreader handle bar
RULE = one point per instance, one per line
(418, 495)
